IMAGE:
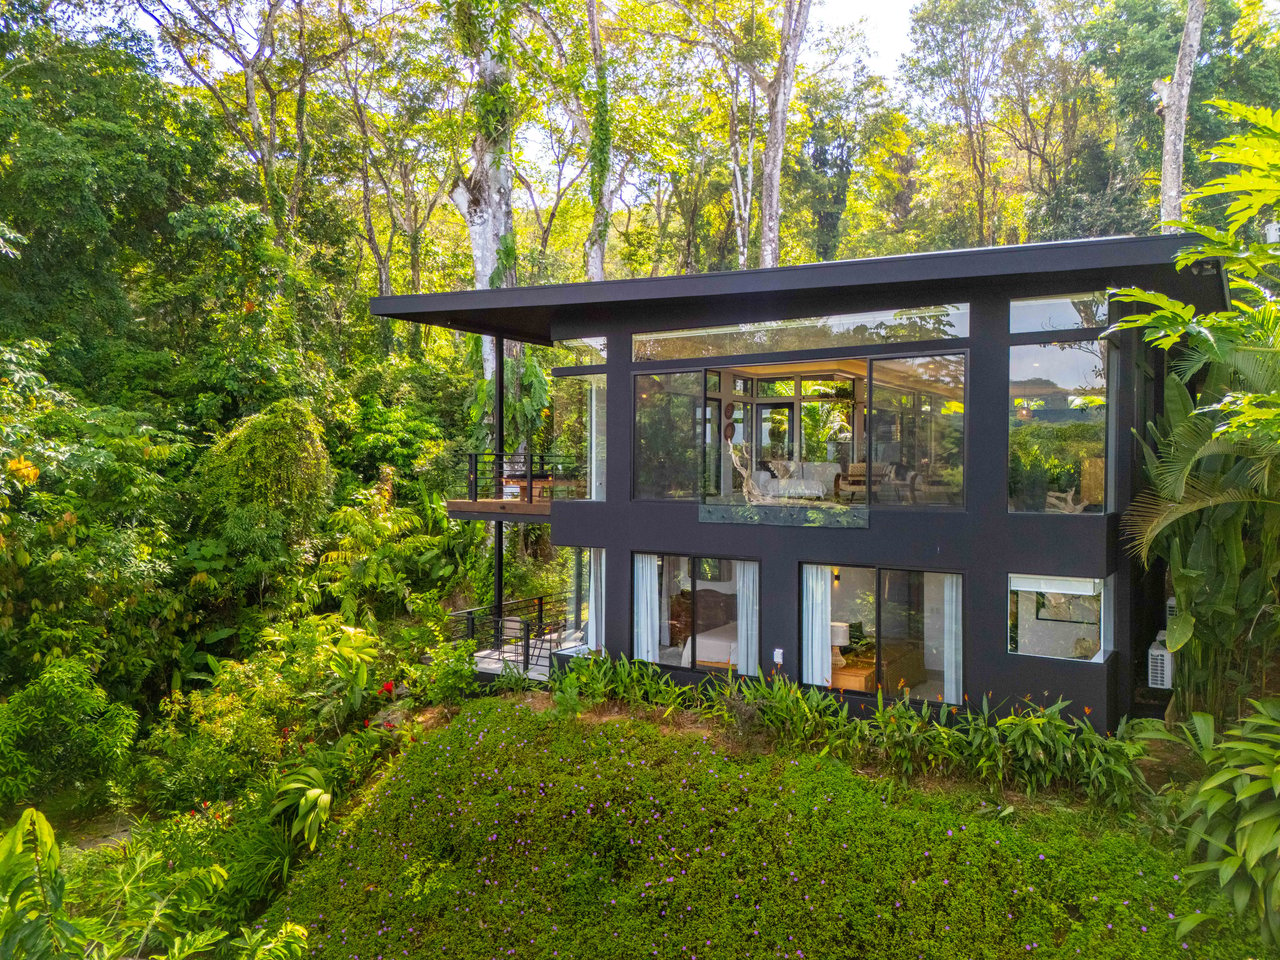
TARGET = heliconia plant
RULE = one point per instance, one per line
(1232, 817)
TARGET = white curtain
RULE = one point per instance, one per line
(952, 639)
(645, 589)
(595, 599)
(748, 587)
(815, 636)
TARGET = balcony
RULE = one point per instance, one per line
(520, 486)
(518, 634)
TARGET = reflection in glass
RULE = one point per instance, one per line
(900, 629)
(916, 431)
(697, 612)
(774, 430)
(669, 433)
(808, 333)
(578, 441)
(1057, 427)
(1059, 617)
(583, 351)
(1071, 312)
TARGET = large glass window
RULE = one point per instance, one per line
(583, 613)
(1060, 617)
(1058, 427)
(900, 630)
(670, 426)
(579, 436)
(917, 431)
(700, 612)
(1071, 312)
(583, 351)
(806, 333)
(776, 459)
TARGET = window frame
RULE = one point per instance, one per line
(1106, 626)
(879, 569)
(693, 611)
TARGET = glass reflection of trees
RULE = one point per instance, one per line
(808, 333)
(1057, 427)
(668, 435)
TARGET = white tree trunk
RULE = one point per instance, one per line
(795, 21)
(1178, 94)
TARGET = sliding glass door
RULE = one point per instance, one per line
(697, 612)
(864, 628)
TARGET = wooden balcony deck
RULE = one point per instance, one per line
(493, 509)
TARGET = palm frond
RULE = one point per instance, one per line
(1151, 514)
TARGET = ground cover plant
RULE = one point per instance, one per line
(1030, 747)
(519, 833)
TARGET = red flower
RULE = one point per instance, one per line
(389, 725)
(388, 688)
(366, 723)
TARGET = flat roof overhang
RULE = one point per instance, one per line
(531, 313)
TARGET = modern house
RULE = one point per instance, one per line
(905, 472)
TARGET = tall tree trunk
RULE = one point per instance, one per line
(1177, 96)
(603, 184)
(795, 21)
(742, 192)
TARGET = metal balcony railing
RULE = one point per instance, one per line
(521, 632)
(530, 477)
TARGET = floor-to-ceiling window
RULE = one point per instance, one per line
(576, 456)
(670, 423)
(699, 612)
(899, 630)
(584, 598)
(1058, 405)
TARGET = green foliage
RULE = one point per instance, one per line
(1212, 512)
(133, 903)
(1033, 749)
(305, 799)
(618, 838)
(309, 680)
(391, 561)
(85, 533)
(61, 730)
(33, 920)
(1232, 816)
(448, 675)
(274, 461)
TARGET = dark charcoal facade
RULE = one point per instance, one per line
(881, 472)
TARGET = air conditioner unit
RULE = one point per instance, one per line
(1170, 610)
(1159, 664)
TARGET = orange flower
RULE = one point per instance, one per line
(1088, 710)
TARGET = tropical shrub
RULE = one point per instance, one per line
(33, 917)
(1031, 748)
(449, 674)
(391, 562)
(309, 680)
(1232, 816)
(133, 903)
(1212, 512)
(60, 730)
(86, 552)
(275, 461)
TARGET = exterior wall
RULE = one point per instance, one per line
(983, 542)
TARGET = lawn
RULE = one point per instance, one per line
(513, 833)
